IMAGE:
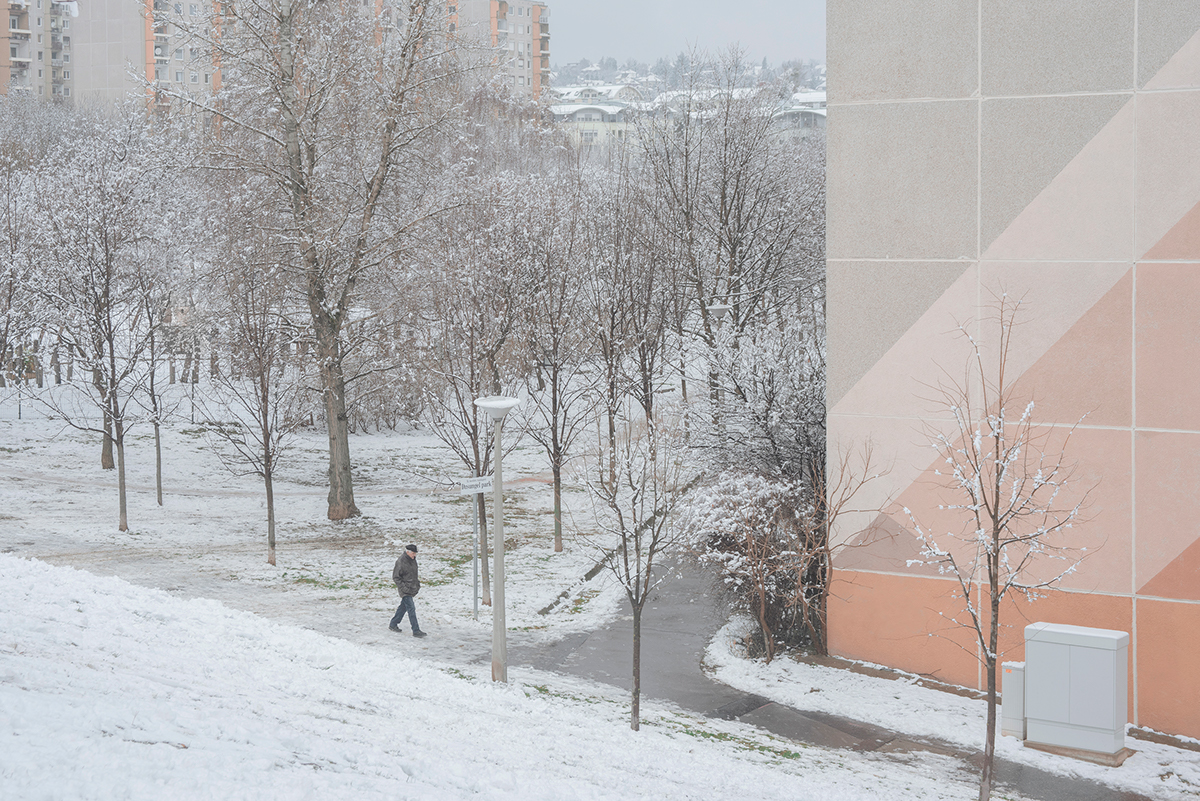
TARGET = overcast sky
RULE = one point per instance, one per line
(646, 30)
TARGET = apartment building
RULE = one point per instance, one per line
(1050, 151)
(101, 49)
(104, 49)
(38, 52)
(519, 30)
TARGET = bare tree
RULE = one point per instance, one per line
(636, 513)
(560, 383)
(29, 129)
(1014, 490)
(261, 391)
(101, 207)
(473, 294)
(334, 107)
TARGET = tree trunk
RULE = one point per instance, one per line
(484, 576)
(270, 515)
(341, 483)
(556, 468)
(986, 778)
(635, 708)
(119, 439)
(106, 448)
(157, 426)
(158, 459)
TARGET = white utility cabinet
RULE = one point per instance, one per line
(1012, 690)
(1076, 687)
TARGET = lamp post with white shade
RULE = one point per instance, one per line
(717, 311)
(497, 407)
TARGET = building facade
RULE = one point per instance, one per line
(39, 53)
(1050, 151)
(518, 30)
(102, 49)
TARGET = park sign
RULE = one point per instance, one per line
(475, 485)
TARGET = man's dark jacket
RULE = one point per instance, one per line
(405, 575)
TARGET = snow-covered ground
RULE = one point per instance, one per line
(236, 679)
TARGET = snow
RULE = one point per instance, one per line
(172, 661)
(1157, 771)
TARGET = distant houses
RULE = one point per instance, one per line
(599, 116)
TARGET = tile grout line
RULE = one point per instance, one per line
(1133, 617)
(978, 234)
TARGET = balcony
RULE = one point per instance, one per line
(19, 33)
(20, 62)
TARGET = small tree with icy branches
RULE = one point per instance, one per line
(1013, 488)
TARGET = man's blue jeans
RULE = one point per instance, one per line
(406, 606)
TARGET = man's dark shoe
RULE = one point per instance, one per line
(419, 634)
(393, 627)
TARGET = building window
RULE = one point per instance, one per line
(193, 9)
(40, 55)
(206, 77)
(66, 58)
(178, 76)
(39, 73)
(179, 54)
(179, 9)
(12, 51)
(12, 23)
(66, 91)
(66, 24)
(195, 53)
(39, 19)
(66, 75)
(195, 77)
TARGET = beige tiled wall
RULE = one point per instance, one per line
(1052, 151)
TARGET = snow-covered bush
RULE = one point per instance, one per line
(771, 553)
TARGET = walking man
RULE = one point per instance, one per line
(405, 576)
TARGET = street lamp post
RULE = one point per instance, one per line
(718, 312)
(497, 406)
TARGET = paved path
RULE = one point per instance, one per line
(676, 627)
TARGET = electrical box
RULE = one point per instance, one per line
(1076, 687)
(1012, 710)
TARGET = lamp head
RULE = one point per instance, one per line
(496, 405)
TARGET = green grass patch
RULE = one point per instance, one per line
(453, 569)
(692, 730)
(581, 600)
